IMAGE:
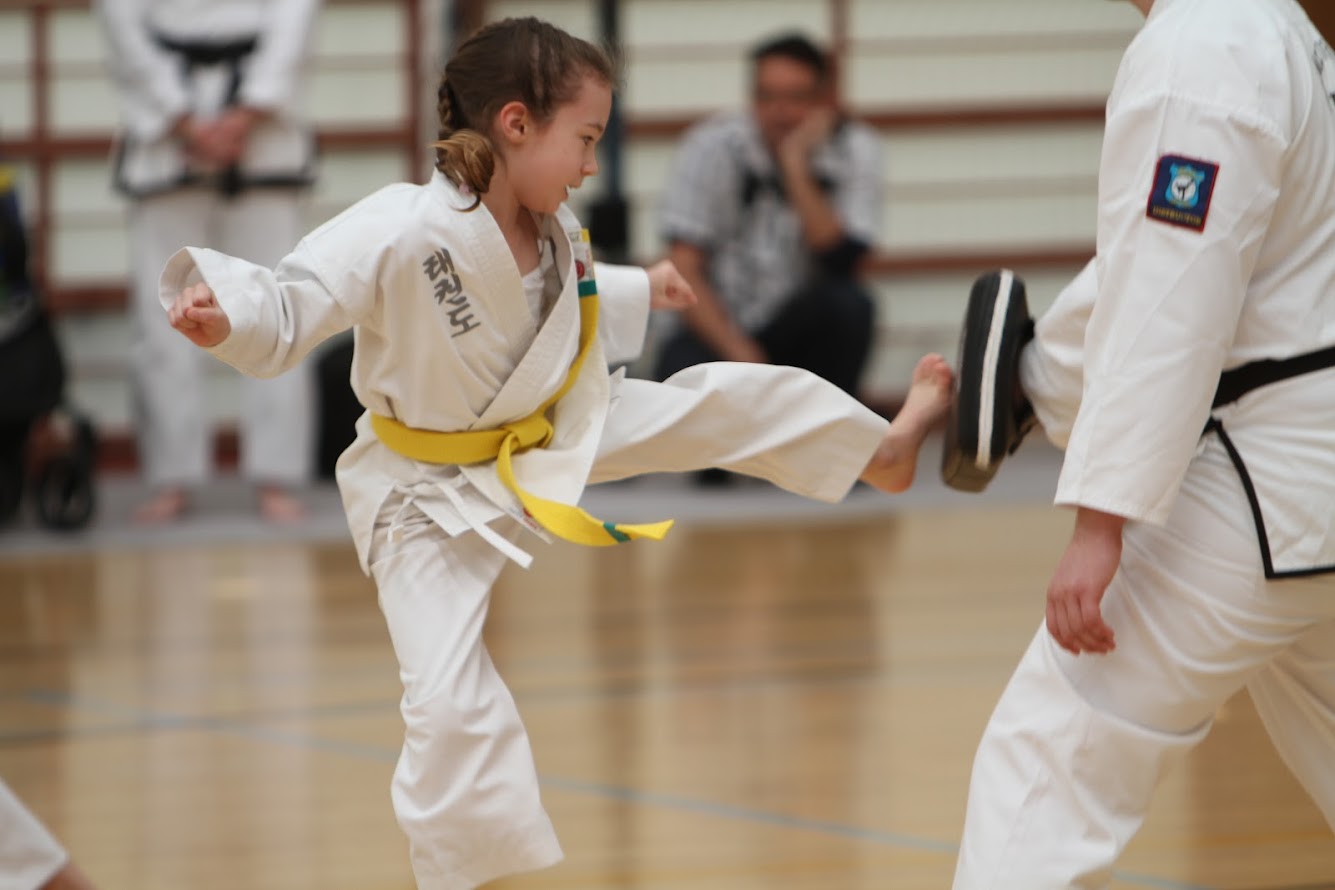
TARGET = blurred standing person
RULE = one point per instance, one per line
(769, 215)
(213, 152)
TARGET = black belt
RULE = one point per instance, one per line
(1233, 385)
(1237, 382)
(203, 52)
(195, 53)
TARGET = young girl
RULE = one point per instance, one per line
(482, 346)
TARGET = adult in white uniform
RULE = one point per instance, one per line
(213, 151)
(474, 302)
(30, 858)
(1203, 537)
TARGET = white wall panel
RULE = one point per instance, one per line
(966, 155)
(912, 20)
(350, 30)
(83, 102)
(16, 117)
(931, 80)
(83, 188)
(646, 166)
(76, 39)
(579, 18)
(88, 238)
(82, 97)
(665, 87)
(372, 97)
(960, 224)
(15, 37)
(89, 253)
(348, 176)
(735, 25)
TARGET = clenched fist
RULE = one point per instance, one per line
(197, 315)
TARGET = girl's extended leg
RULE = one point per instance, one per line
(781, 424)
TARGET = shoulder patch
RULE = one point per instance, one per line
(1180, 195)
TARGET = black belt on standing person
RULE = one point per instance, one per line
(1237, 382)
(197, 53)
(1233, 385)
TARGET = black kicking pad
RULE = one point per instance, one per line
(988, 418)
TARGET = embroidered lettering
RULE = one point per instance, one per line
(438, 263)
(448, 288)
(464, 323)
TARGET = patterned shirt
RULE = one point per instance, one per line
(724, 196)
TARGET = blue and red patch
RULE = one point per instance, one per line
(1182, 191)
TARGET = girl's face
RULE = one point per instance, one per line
(546, 161)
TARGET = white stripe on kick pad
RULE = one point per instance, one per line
(988, 390)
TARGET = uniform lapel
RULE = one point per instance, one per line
(545, 364)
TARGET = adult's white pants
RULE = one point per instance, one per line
(170, 373)
(1069, 761)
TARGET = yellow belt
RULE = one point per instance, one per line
(566, 521)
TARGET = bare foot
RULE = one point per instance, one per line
(68, 878)
(892, 466)
(168, 505)
(278, 505)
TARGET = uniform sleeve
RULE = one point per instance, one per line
(278, 316)
(702, 189)
(860, 193)
(274, 71)
(152, 90)
(1052, 367)
(1186, 192)
(623, 311)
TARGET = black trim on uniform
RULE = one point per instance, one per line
(1216, 427)
(1233, 385)
(187, 180)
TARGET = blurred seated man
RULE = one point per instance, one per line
(769, 213)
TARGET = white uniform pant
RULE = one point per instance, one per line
(1071, 757)
(169, 372)
(465, 790)
(29, 855)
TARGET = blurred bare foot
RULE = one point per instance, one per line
(168, 505)
(279, 505)
(892, 466)
(68, 878)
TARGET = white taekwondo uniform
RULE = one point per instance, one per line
(29, 855)
(1216, 250)
(175, 57)
(446, 340)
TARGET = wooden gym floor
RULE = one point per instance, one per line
(744, 706)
